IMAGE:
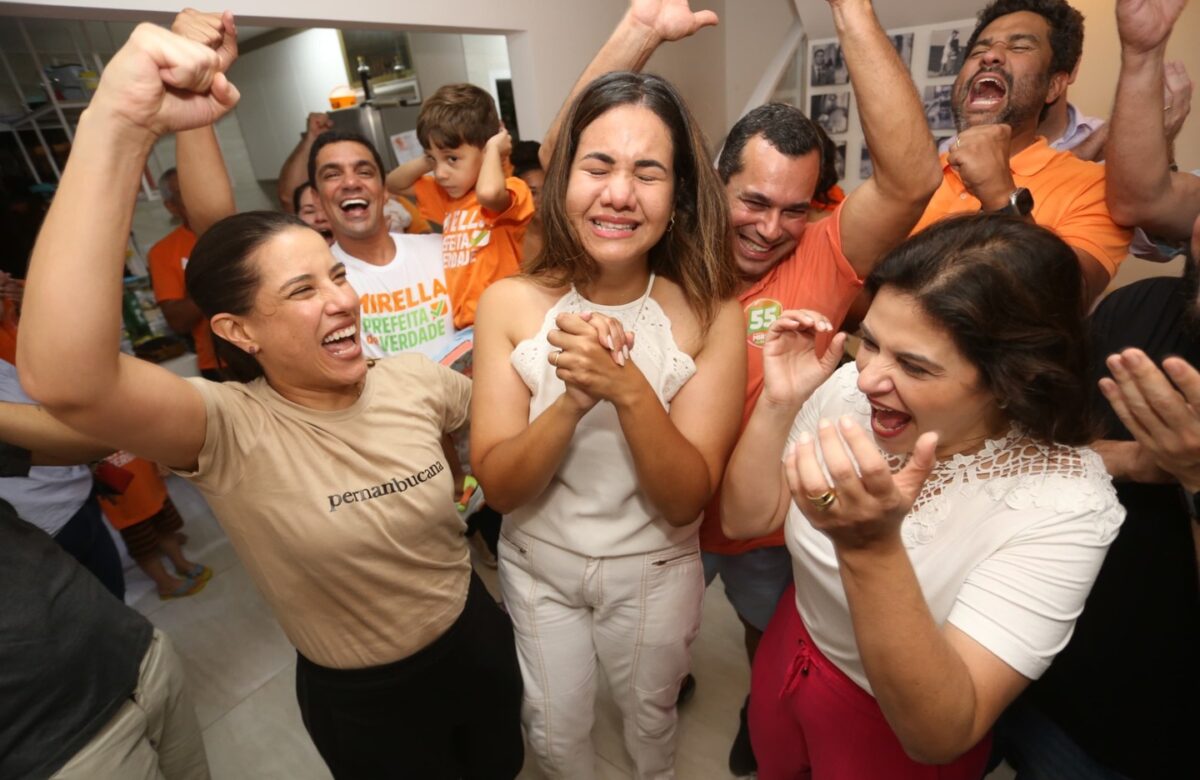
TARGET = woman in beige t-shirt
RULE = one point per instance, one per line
(327, 474)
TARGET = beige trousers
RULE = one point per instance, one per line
(154, 736)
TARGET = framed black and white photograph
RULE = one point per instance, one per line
(939, 110)
(828, 66)
(832, 111)
(947, 49)
(904, 47)
(865, 167)
(839, 161)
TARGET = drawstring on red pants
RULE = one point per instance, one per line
(797, 668)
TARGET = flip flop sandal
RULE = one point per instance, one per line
(199, 572)
(188, 587)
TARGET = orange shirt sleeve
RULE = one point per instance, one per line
(1088, 226)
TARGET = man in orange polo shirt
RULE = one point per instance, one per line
(1019, 61)
(168, 258)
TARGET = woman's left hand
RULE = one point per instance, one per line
(592, 355)
(865, 510)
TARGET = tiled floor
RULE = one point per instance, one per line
(241, 670)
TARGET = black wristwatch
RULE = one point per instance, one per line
(1020, 203)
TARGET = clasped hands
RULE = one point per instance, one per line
(590, 354)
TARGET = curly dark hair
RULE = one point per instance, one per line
(1065, 22)
(1010, 294)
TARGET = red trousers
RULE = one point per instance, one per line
(809, 720)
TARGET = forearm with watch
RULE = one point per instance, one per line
(1018, 204)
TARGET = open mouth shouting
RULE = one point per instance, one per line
(354, 206)
(988, 90)
(887, 422)
(342, 342)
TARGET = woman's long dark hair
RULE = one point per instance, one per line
(696, 252)
(1010, 294)
(220, 278)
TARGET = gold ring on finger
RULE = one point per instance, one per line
(824, 500)
(554, 357)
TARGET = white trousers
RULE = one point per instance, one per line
(154, 736)
(637, 615)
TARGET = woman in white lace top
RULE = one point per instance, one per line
(941, 559)
(602, 448)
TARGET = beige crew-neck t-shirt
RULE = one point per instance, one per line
(345, 519)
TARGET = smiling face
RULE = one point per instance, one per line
(1006, 77)
(769, 201)
(312, 213)
(917, 381)
(305, 320)
(621, 190)
(350, 187)
(455, 170)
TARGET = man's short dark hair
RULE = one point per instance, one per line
(338, 136)
(782, 126)
(1065, 22)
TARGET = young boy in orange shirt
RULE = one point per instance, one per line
(482, 211)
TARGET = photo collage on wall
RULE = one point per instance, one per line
(933, 55)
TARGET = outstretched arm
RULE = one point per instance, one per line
(203, 180)
(157, 83)
(52, 443)
(645, 25)
(883, 210)
(1141, 189)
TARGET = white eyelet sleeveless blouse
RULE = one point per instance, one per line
(593, 505)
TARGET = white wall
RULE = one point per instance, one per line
(280, 84)
(486, 59)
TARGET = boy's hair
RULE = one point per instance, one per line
(457, 114)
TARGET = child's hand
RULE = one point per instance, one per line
(501, 142)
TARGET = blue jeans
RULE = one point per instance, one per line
(1037, 749)
(87, 539)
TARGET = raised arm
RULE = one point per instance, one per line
(295, 168)
(1141, 189)
(203, 180)
(491, 189)
(402, 178)
(883, 210)
(754, 496)
(644, 26)
(157, 83)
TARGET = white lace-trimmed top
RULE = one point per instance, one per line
(593, 505)
(1005, 542)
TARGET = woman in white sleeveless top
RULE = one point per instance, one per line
(607, 388)
(940, 560)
